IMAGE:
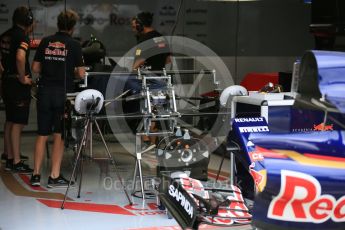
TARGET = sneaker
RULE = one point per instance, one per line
(9, 165)
(23, 157)
(35, 180)
(22, 168)
(59, 182)
(4, 157)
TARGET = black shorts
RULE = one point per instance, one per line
(50, 110)
(14, 91)
(17, 112)
(17, 98)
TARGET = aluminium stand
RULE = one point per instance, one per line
(90, 120)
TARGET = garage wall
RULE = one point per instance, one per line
(265, 35)
(255, 36)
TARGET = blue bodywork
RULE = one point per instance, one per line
(318, 155)
(300, 176)
(330, 68)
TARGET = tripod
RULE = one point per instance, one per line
(90, 120)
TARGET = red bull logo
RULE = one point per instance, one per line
(323, 127)
(259, 177)
(56, 45)
(300, 200)
(55, 49)
(256, 176)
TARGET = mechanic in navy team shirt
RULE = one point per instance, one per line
(16, 85)
(152, 50)
(152, 53)
(58, 60)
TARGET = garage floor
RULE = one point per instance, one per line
(102, 205)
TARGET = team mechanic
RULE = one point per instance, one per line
(58, 59)
(155, 54)
(16, 85)
(152, 53)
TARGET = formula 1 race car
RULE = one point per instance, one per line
(299, 177)
(303, 177)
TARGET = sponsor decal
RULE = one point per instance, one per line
(256, 176)
(136, 207)
(259, 177)
(319, 127)
(167, 11)
(182, 200)
(196, 11)
(256, 156)
(302, 130)
(118, 20)
(251, 124)
(152, 213)
(55, 49)
(150, 209)
(300, 200)
(112, 19)
(251, 119)
(56, 45)
(254, 129)
(55, 52)
(323, 127)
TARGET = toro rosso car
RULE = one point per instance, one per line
(298, 178)
(301, 182)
